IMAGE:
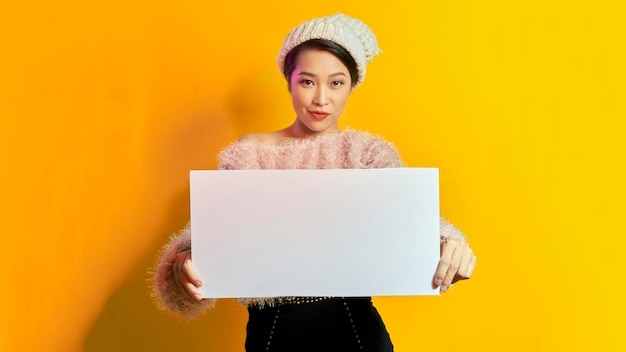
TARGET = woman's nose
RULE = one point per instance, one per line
(321, 97)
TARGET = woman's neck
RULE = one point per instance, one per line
(299, 130)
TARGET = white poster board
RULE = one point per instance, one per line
(340, 232)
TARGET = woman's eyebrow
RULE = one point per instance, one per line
(305, 73)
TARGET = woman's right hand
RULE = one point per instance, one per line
(185, 275)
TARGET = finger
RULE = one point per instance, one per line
(176, 272)
(453, 268)
(185, 283)
(447, 248)
(180, 279)
(191, 289)
(465, 263)
(190, 273)
(464, 266)
(460, 249)
(470, 269)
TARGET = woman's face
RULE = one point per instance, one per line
(320, 87)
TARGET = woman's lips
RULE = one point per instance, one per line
(319, 115)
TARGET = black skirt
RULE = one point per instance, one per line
(317, 324)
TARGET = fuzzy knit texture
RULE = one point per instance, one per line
(352, 34)
(167, 296)
(349, 149)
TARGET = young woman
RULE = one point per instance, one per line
(323, 60)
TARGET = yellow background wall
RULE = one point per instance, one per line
(106, 104)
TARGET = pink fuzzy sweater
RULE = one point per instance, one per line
(345, 150)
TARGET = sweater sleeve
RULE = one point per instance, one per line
(447, 230)
(167, 296)
(241, 155)
(382, 154)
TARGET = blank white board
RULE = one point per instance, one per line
(340, 232)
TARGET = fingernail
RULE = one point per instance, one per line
(444, 288)
(438, 282)
(198, 283)
(198, 296)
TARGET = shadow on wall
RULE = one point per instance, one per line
(130, 321)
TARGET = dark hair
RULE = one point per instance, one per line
(325, 45)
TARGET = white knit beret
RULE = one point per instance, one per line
(352, 34)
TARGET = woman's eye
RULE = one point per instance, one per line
(306, 82)
(337, 83)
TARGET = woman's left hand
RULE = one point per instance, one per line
(456, 263)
